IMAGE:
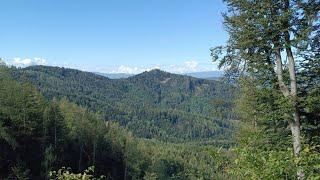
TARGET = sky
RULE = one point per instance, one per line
(112, 36)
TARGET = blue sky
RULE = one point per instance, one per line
(112, 35)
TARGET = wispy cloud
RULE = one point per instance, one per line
(191, 65)
(180, 68)
(127, 69)
(24, 62)
(133, 69)
(185, 67)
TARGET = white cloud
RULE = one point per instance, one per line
(179, 68)
(19, 62)
(128, 70)
(187, 66)
(40, 61)
(191, 65)
(133, 69)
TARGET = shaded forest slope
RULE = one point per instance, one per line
(153, 104)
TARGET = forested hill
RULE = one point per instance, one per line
(154, 104)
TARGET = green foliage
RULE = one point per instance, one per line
(309, 78)
(66, 174)
(21, 119)
(153, 104)
(222, 159)
(256, 153)
(263, 36)
(184, 161)
(150, 176)
(264, 141)
(39, 137)
(19, 173)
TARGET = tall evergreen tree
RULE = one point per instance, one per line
(265, 38)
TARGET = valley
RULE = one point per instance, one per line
(154, 104)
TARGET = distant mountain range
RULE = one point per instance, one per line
(115, 75)
(211, 75)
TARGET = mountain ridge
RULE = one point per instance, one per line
(211, 75)
(153, 104)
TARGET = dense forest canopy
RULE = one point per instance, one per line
(40, 136)
(261, 121)
(154, 104)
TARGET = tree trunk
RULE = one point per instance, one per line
(283, 87)
(295, 131)
(94, 152)
(125, 160)
(81, 141)
(80, 157)
(55, 134)
(295, 125)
